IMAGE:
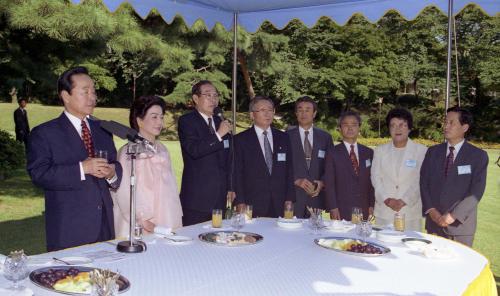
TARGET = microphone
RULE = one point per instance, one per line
(124, 132)
(218, 112)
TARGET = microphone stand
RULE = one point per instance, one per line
(133, 245)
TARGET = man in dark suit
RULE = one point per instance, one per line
(61, 160)
(347, 172)
(21, 123)
(205, 146)
(452, 181)
(309, 146)
(263, 164)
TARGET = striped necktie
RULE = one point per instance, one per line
(268, 153)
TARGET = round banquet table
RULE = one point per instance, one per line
(285, 262)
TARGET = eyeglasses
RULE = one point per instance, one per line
(210, 95)
(264, 110)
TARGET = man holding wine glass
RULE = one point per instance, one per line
(62, 160)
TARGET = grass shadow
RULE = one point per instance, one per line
(497, 280)
(19, 185)
(27, 234)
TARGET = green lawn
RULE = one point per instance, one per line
(21, 205)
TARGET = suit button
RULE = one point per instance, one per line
(99, 207)
(397, 186)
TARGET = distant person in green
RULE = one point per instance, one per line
(21, 123)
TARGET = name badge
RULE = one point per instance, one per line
(368, 163)
(464, 169)
(411, 163)
(226, 143)
(281, 156)
(321, 153)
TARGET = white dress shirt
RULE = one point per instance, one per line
(260, 136)
(348, 147)
(213, 124)
(303, 135)
(457, 148)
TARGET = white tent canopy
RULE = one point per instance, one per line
(252, 13)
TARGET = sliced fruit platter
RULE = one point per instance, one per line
(72, 280)
(352, 246)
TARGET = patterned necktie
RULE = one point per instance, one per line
(449, 161)
(211, 126)
(87, 140)
(307, 149)
(268, 153)
(354, 160)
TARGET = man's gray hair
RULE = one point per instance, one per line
(257, 99)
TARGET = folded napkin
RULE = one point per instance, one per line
(209, 226)
(22, 292)
(163, 230)
(439, 252)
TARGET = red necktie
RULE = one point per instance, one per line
(354, 160)
(449, 161)
(87, 140)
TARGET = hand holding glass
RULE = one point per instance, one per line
(102, 154)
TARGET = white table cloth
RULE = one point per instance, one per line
(286, 262)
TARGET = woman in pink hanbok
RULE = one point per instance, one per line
(158, 201)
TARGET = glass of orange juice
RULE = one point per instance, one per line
(399, 221)
(356, 215)
(288, 211)
(216, 218)
(249, 212)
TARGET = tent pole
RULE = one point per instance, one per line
(235, 68)
(448, 63)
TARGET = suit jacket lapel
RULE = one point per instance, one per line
(94, 126)
(440, 166)
(460, 157)
(300, 158)
(361, 158)
(315, 150)
(347, 158)
(74, 138)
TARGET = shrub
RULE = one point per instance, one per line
(12, 155)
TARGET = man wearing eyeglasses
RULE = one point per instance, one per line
(205, 151)
(263, 164)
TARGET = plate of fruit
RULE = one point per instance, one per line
(352, 246)
(71, 280)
